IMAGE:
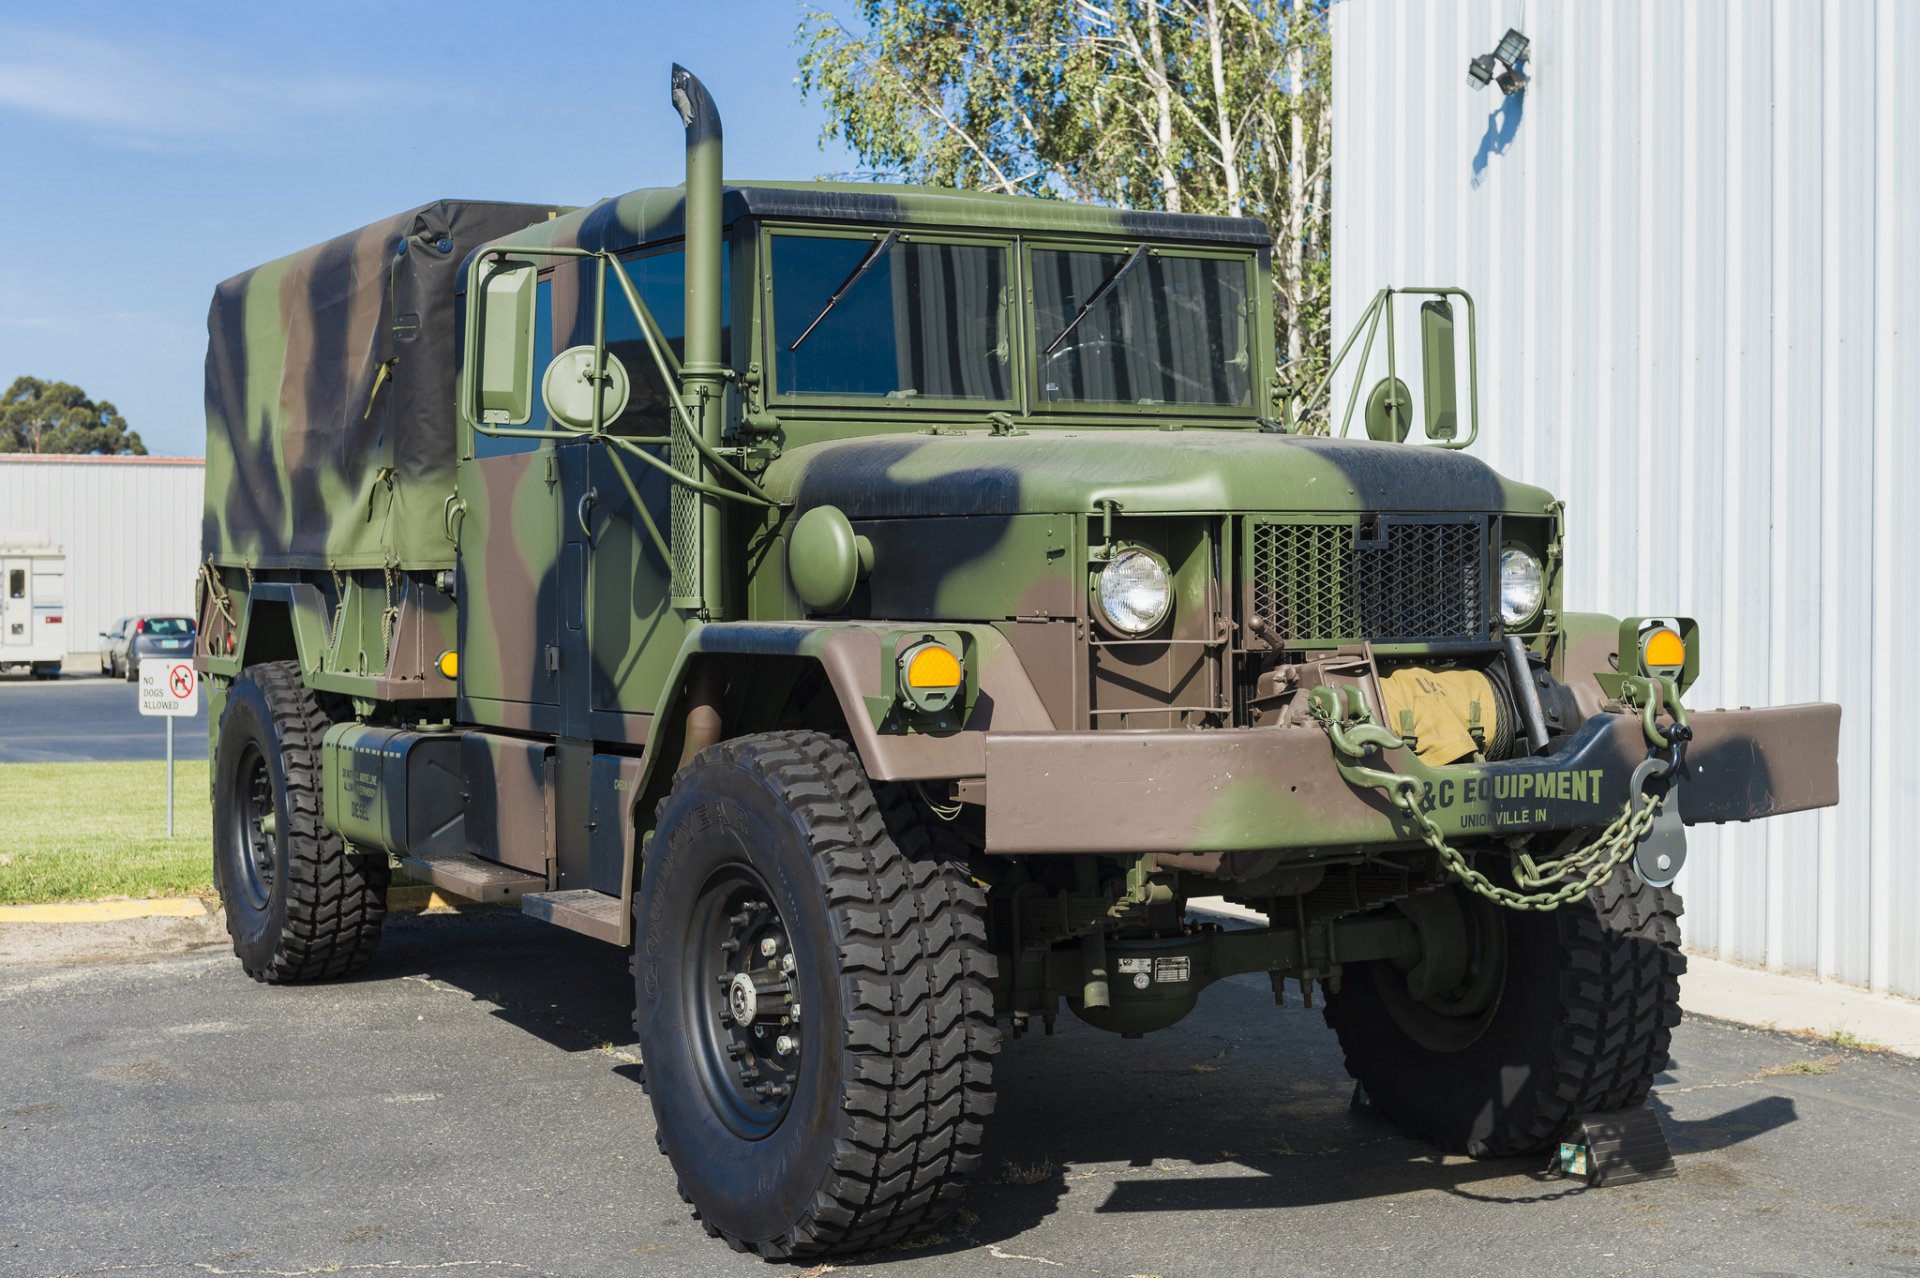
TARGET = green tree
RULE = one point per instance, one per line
(1197, 106)
(57, 417)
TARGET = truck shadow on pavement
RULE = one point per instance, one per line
(1242, 1106)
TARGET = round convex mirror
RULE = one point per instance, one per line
(567, 388)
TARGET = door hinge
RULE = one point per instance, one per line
(553, 659)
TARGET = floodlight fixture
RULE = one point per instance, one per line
(1502, 66)
(1512, 48)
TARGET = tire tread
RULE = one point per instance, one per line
(919, 1036)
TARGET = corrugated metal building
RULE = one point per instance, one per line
(1693, 243)
(130, 527)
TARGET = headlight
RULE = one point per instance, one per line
(1133, 592)
(1519, 586)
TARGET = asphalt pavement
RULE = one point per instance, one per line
(87, 717)
(470, 1104)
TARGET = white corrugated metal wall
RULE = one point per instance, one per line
(130, 527)
(1695, 242)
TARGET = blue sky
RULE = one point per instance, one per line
(151, 151)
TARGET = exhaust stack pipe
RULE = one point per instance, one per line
(699, 567)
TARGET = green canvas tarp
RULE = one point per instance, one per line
(331, 377)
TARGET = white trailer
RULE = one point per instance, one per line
(33, 605)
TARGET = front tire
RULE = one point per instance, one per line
(1579, 1020)
(300, 904)
(862, 1130)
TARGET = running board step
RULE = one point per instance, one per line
(471, 877)
(590, 913)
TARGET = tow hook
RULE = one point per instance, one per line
(1662, 850)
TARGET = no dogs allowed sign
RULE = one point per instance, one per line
(169, 687)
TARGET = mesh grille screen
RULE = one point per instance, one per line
(1319, 583)
(684, 516)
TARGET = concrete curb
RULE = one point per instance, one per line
(109, 911)
(1840, 1014)
(400, 900)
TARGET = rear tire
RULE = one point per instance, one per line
(862, 1132)
(300, 904)
(1582, 1022)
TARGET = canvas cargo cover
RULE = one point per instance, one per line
(331, 375)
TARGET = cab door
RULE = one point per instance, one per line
(16, 603)
(509, 590)
(508, 582)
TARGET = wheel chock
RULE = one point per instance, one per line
(1615, 1147)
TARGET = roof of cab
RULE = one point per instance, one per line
(651, 214)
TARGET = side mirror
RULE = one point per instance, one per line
(1389, 415)
(1436, 348)
(503, 343)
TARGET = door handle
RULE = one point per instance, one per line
(580, 512)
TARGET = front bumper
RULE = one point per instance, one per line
(1278, 789)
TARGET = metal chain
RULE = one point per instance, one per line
(1597, 859)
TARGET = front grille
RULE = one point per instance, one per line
(1399, 580)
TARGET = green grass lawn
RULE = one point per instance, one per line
(74, 831)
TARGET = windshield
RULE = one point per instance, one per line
(169, 626)
(1127, 327)
(888, 317)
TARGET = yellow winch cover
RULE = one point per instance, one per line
(1444, 705)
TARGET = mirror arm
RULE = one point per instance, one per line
(640, 507)
(1353, 396)
(711, 490)
(1326, 379)
(1370, 321)
(663, 360)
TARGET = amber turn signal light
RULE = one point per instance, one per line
(930, 676)
(933, 666)
(1662, 651)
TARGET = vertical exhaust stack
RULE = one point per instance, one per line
(698, 526)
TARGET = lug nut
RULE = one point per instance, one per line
(786, 961)
(784, 1045)
(769, 946)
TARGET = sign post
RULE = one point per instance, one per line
(169, 687)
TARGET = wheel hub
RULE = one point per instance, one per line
(750, 1049)
(1447, 998)
(743, 999)
(256, 828)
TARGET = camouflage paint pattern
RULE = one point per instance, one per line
(986, 533)
(330, 432)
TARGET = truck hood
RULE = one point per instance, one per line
(1146, 471)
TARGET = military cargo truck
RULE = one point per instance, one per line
(884, 609)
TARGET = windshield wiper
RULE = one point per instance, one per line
(1106, 286)
(866, 264)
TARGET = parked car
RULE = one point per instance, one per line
(144, 636)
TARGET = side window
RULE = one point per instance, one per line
(500, 446)
(660, 277)
(17, 584)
